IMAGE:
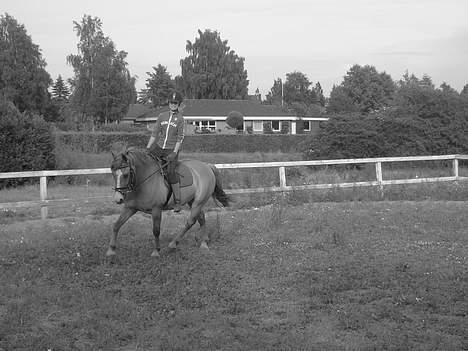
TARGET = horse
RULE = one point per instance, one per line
(141, 185)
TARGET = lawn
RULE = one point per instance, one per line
(386, 275)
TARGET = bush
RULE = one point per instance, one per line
(235, 120)
(104, 142)
(27, 143)
(382, 135)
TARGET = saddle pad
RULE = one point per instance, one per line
(185, 176)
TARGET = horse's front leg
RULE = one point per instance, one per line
(124, 216)
(156, 214)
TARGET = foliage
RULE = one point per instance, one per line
(23, 78)
(104, 141)
(385, 135)
(419, 120)
(102, 86)
(56, 111)
(464, 91)
(363, 90)
(158, 86)
(27, 141)
(275, 95)
(297, 95)
(212, 70)
(297, 89)
(60, 91)
(235, 120)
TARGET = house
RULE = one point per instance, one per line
(209, 116)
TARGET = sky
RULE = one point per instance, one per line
(321, 39)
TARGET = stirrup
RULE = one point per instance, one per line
(177, 207)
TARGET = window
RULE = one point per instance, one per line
(306, 125)
(202, 126)
(275, 126)
(258, 126)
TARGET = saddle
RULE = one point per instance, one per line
(182, 171)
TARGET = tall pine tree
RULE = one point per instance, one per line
(60, 91)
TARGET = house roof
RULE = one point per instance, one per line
(210, 109)
(221, 108)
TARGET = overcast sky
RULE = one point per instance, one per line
(322, 39)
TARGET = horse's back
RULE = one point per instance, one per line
(204, 179)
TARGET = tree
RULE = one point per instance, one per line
(102, 87)
(464, 91)
(363, 89)
(60, 91)
(297, 89)
(158, 86)
(319, 94)
(23, 78)
(212, 70)
(275, 95)
(340, 101)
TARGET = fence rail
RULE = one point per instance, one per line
(379, 181)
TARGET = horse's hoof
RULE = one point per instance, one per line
(155, 253)
(172, 245)
(204, 246)
(110, 253)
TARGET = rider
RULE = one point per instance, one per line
(166, 140)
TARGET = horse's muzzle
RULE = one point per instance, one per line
(118, 197)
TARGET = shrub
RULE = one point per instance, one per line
(26, 140)
(104, 142)
(235, 120)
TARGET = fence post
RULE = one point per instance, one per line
(282, 176)
(43, 194)
(455, 168)
(378, 174)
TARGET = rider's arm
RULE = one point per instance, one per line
(180, 135)
(154, 134)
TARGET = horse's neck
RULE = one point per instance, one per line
(145, 169)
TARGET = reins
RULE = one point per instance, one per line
(130, 187)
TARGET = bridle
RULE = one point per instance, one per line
(131, 184)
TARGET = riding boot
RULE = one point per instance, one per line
(176, 191)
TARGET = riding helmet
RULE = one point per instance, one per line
(175, 96)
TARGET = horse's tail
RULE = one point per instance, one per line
(218, 193)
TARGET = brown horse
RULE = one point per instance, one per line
(140, 185)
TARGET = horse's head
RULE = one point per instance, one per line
(124, 176)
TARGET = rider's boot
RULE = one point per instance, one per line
(176, 191)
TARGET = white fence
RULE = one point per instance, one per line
(283, 186)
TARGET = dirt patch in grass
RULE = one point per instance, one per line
(320, 276)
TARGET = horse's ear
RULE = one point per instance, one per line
(113, 155)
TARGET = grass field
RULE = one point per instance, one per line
(387, 275)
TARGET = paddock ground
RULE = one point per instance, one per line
(387, 275)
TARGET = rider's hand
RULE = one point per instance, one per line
(172, 156)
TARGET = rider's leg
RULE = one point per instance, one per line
(174, 182)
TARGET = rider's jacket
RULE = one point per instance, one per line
(169, 129)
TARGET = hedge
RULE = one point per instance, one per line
(105, 142)
(26, 141)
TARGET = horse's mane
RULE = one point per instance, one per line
(138, 154)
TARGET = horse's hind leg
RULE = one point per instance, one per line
(192, 218)
(124, 216)
(156, 214)
(204, 236)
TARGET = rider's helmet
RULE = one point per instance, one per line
(175, 97)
